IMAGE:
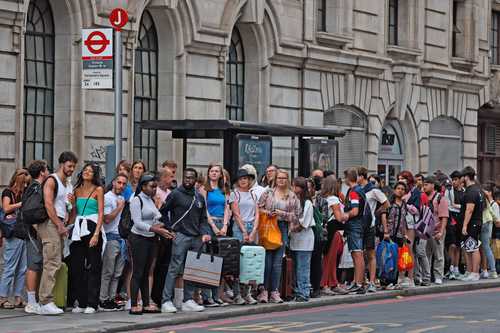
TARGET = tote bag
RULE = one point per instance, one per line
(269, 232)
(202, 268)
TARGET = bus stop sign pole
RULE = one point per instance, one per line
(118, 18)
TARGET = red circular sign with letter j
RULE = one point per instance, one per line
(118, 18)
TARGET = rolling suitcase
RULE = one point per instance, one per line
(286, 288)
(229, 249)
(252, 264)
(61, 287)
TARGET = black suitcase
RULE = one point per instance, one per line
(229, 249)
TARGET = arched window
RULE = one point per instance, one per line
(38, 142)
(146, 92)
(445, 145)
(352, 146)
(235, 79)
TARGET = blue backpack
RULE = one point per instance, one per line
(387, 262)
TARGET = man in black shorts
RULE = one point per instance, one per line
(454, 195)
(377, 200)
(39, 172)
(472, 212)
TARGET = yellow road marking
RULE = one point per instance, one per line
(428, 329)
(481, 321)
(448, 317)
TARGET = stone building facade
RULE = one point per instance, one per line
(416, 70)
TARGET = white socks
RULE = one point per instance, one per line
(178, 297)
(32, 297)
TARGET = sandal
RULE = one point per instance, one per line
(135, 313)
(6, 305)
(20, 305)
(151, 309)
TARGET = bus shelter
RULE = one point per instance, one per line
(247, 142)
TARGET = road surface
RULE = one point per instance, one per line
(467, 312)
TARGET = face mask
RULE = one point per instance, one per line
(317, 183)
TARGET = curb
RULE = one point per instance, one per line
(225, 313)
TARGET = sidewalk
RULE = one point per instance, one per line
(17, 321)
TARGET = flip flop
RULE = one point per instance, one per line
(7, 305)
(154, 310)
(135, 313)
(20, 305)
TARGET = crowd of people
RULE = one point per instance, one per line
(330, 226)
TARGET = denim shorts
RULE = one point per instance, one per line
(355, 233)
(237, 231)
(219, 223)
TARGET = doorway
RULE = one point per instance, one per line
(391, 153)
(388, 171)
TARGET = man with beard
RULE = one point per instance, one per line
(58, 197)
(185, 213)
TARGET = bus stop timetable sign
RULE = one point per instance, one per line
(97, 58)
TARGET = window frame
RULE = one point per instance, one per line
(40, 87)
(454, 29)
(393, 11)
(235, 111)
(146, 151)
(321, 15)
(495, 42)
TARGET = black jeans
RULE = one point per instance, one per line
(317, 265)
(85, 265)
(143, 250)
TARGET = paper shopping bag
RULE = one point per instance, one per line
(202, 268)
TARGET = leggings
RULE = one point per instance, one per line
(143, 250)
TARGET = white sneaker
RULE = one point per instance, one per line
(464, 277)
(438, 282)
(484, 275)
(78, 309)
(50, 310)
(405, 283)
(494, 275)
(32, 308)
(168, 307)
(472, 277)
(191, 306)
(89, 310)
(229, 293)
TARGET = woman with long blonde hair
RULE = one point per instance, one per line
(14, 251)
(279, 201)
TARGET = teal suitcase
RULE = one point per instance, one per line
(252, 264)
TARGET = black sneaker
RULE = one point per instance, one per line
(108, 306)
(300, 299)
(316, 294)
(356, 289)
(361, 291)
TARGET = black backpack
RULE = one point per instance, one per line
(126, 222)
(33, 210)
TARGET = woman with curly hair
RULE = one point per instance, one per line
(87, 218)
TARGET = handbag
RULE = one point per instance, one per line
(7, 223)
(269, 232)
(202, 268)
(405, 260)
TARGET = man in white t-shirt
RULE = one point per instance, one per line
(112, 259)
(376, 199)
